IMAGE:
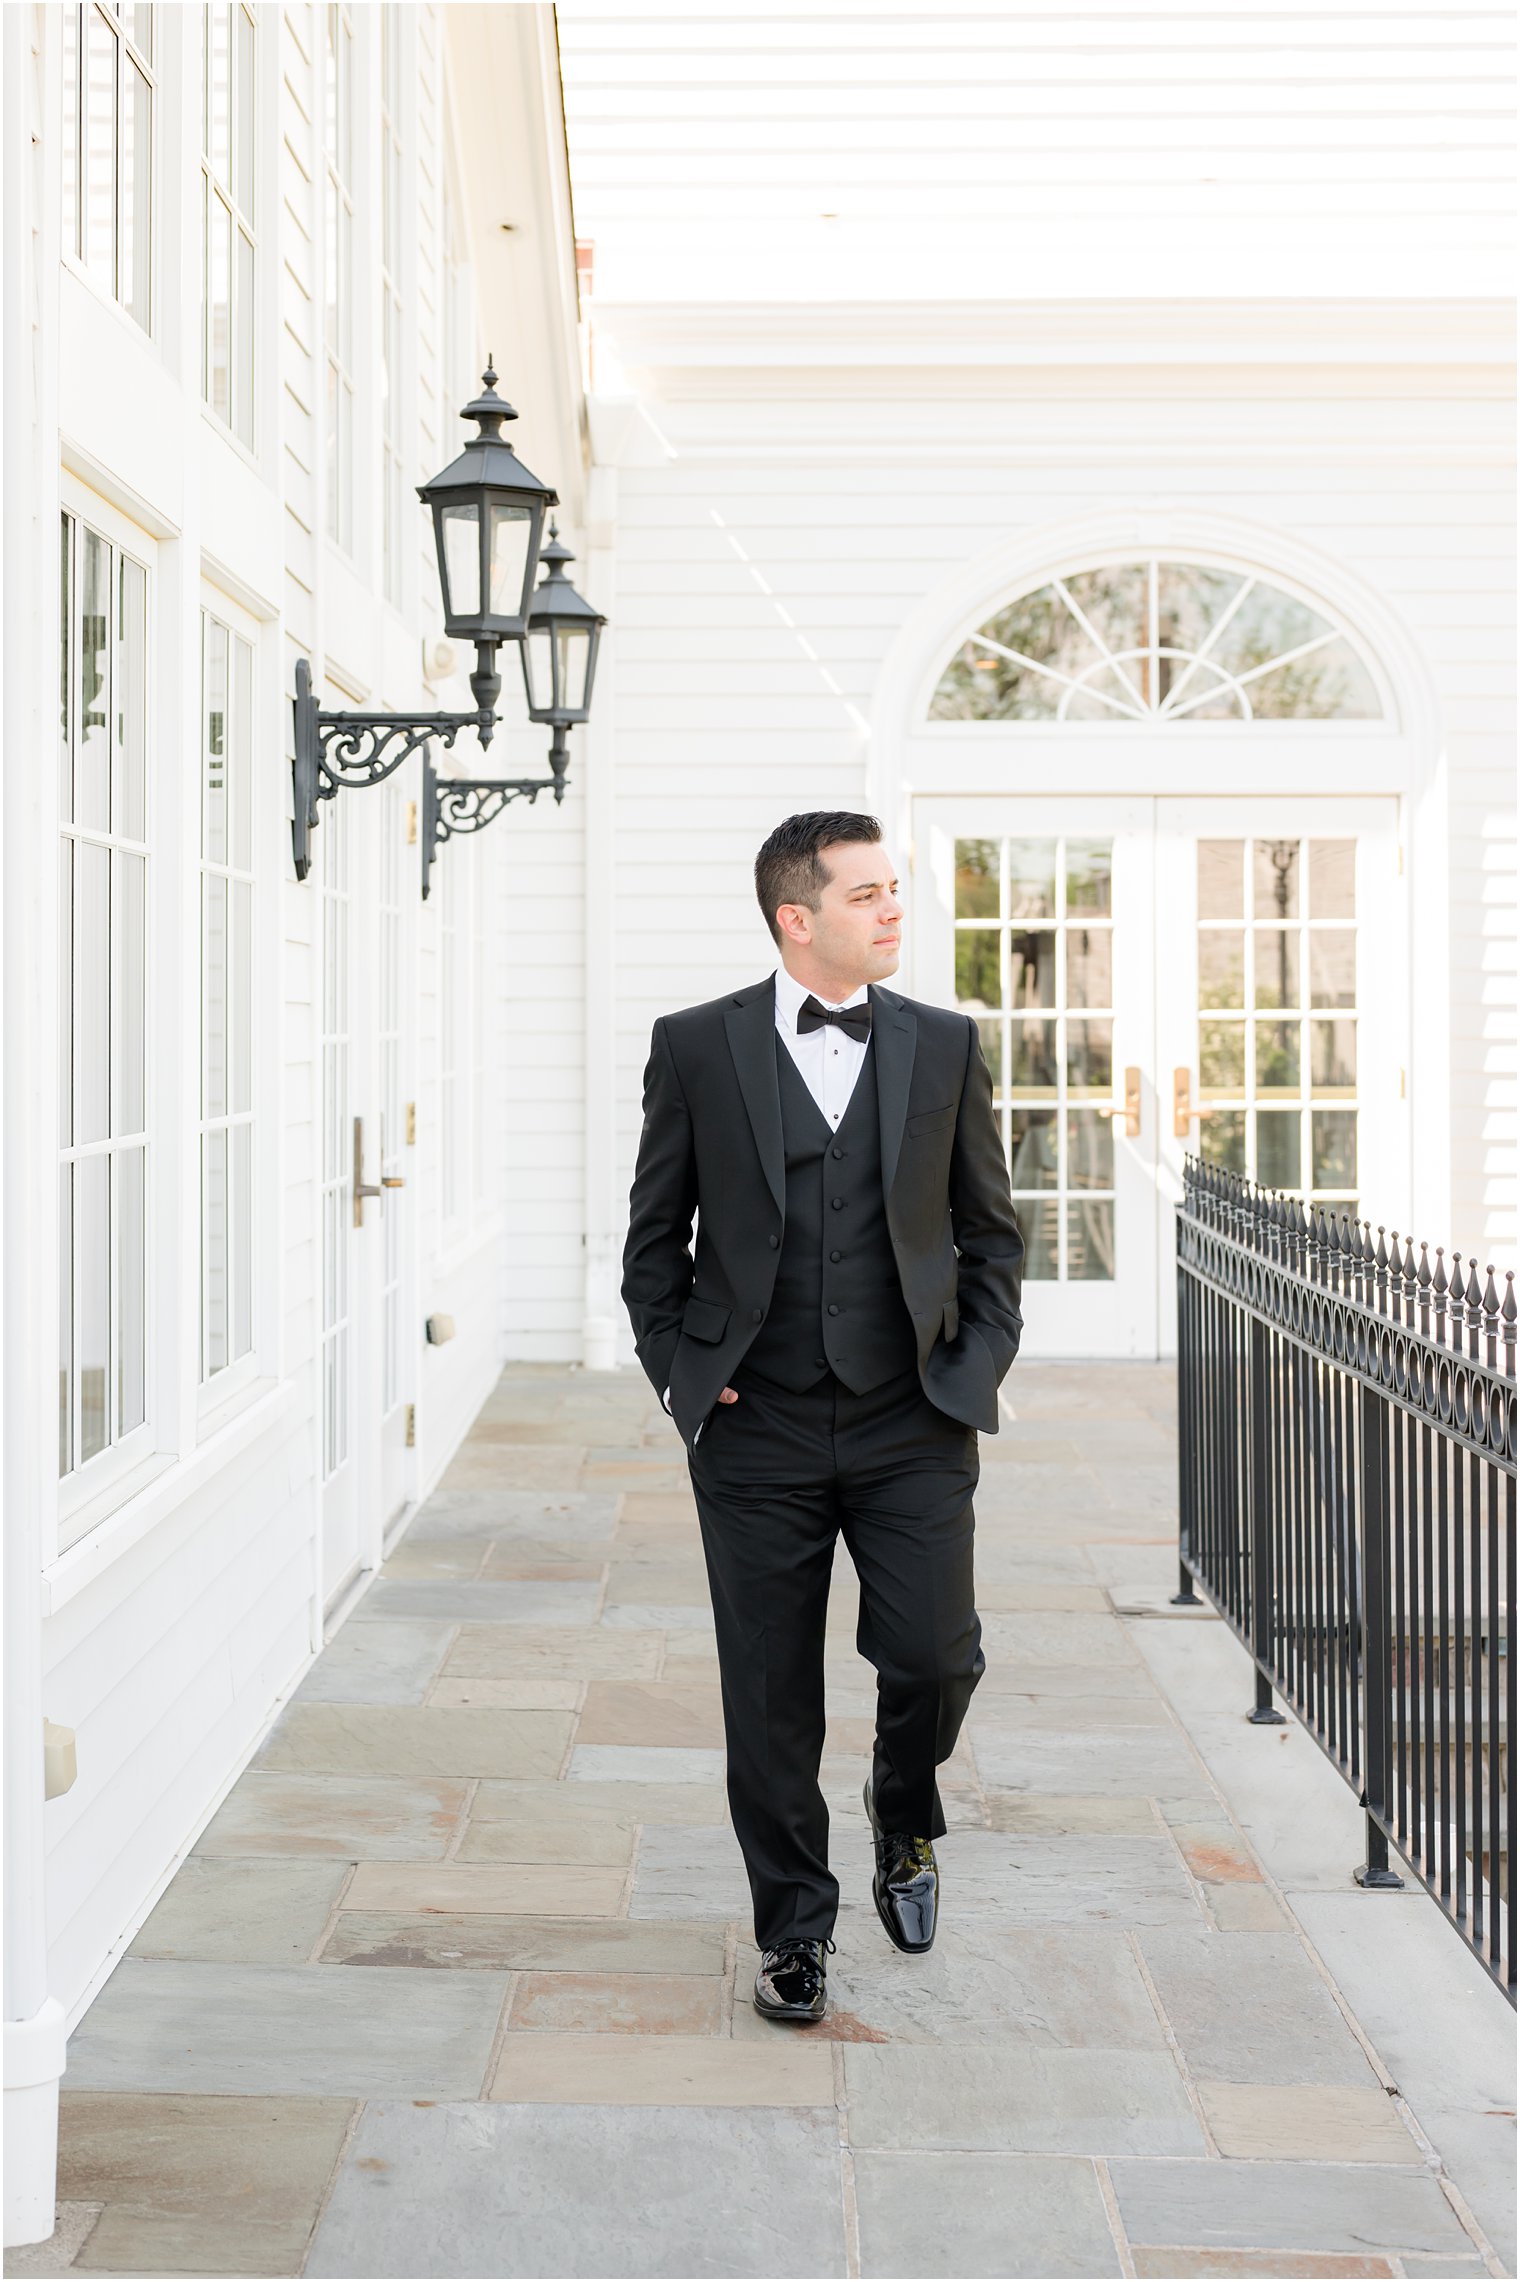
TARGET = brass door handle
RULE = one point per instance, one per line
(362, 1187)
(392, 1181)
(1129, 1108)
(1183, 1112)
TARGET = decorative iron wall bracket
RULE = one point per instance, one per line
(455, 806)
(347, 752)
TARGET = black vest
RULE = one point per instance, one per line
(837, 1303)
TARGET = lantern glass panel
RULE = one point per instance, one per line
(461, 560)
(538, 666)
(511, 531)
(573, 655)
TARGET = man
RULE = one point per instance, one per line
(828, 1359)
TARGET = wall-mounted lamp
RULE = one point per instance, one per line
(559, 671)
(488, 518)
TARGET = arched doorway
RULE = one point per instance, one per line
(1156, 802)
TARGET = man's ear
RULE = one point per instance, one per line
(794, 922)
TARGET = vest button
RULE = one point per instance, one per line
(775, 1241)
(839, 1204)
(819, 1364)
(757, 1315)
(836, 1255)
(833, 1311)
(836, 1152)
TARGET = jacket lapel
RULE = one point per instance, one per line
(751, 1026)
(894, 1034)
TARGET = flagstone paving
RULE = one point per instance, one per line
(456, 1982)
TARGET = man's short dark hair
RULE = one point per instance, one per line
(789, 869)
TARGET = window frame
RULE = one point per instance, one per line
(215, 1390)
(1155, 724)
(90, 1490)
(242, 222)
(73, 244)
(340, 227)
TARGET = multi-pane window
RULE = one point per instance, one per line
(226, 1169)
(102, 1109)
(453, 1034)
(389, 1024)
(1157, 640)
(1034, 964)
(108, 96)
(228, 129)
(338, 322)
(1277, 1012)
(392, 333)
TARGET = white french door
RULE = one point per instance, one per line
(1155, 976)
(368, 1352)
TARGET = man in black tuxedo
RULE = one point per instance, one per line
(829, 1357)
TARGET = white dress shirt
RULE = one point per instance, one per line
(828, 1059)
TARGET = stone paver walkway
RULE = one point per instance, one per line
(456, 1983)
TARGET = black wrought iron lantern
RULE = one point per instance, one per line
(488, 521)
(559, 652)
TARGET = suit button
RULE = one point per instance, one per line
(836, 1255)
(839, 1204)
(775, 1241)
(836, 1152)
(833, 1311)
(757, 1315)
(819, 1364)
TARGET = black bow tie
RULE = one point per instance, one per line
(855, 1019)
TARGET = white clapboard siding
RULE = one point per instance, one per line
(724, 723)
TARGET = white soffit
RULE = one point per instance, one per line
(989, 151)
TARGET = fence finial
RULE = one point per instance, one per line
(1508, 1314)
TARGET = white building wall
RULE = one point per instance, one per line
(858, 459)
(184, 1611)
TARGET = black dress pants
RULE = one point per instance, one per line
(778, 1475)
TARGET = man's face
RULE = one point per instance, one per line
(856, 932)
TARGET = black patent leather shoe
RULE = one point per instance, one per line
(792, 1983)
(905, 1888)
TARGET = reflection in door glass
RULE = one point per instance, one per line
(1266, 1059)
(1034, 963)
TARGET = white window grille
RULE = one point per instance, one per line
(108, 101)
(227, 1115)
(1157, 640)
(339, 267)
(103, 1001)
(228, 146)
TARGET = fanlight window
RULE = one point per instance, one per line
(1157, 641)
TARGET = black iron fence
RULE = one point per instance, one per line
(1347, 1416)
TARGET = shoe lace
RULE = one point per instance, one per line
(914, 1853)
(799, 1944)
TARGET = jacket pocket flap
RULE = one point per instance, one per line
(952, 1318)
(930, 1120)
(704, 1319)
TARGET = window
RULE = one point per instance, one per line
(228, 97)
(392, 332)
(1157, 640)
(339, 319)
(1277, 1014)
(108, 88)
(1034, 965)
(227, 1230)
(103, 1112)
(337, 1144)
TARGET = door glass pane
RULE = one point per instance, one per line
(1046, 966)
(976, 879)
(129, 1013)
(65, 1319)
(92, 991)
(131, 1290)
(240, 1247)
(92, 1242)
(92, 751)
(214, 1251)
(1266, 1068)
(130, 758)
(1275, 868)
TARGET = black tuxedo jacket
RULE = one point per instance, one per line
(711, 1150)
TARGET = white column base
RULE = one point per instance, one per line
(599, 1343)
(34, 2060)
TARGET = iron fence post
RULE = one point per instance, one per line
(1375, 1638)
(1263, 1713)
